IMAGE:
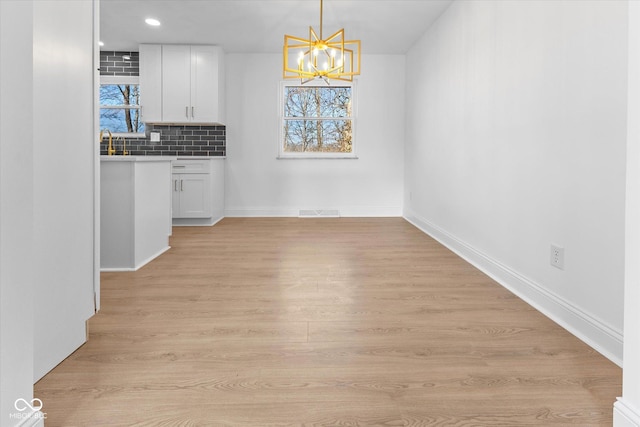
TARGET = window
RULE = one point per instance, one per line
(317, 121)
(120, 106)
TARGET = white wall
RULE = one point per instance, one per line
(257, 184)
(47, 148)
(16, 208)
(516, 127)
(627, 409)
(64, 143)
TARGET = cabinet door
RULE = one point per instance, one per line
(176, 84)
(195, 195)
(217, 189)
(151, 83)
(175, 195)
(204, 83)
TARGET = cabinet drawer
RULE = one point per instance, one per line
(191, 166)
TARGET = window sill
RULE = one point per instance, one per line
(312, 157)
(126, 135)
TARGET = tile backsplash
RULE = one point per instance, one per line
(175, 140)
(113, 63)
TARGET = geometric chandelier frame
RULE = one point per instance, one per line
(315, 57)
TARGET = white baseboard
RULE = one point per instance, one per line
(595, 333)
(137, 267)
(151, 258)
(66, 341)
(260, 213)
(116, 269)
(196, 222)
(624, 415)
(345, 211)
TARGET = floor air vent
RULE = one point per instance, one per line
(319, 213)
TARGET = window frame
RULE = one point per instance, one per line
(315, 154)
(121, 80)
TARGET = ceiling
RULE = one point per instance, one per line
(258, 26)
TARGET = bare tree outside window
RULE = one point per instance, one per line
(120, 108)
(318, 119)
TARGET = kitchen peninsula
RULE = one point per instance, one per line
(135, 210)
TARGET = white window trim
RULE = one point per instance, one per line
(122, 80)
(119, 80)
(282, 155)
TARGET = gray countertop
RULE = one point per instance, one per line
(137, 158)
(201, 157)
(156, 158)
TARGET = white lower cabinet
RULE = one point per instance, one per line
(191, 195)
(135, 217)
(197, 191)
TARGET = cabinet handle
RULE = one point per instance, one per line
(186, 111)
(192, 108)
(181, 187)
(175, 185)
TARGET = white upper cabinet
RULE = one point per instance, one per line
(191, 84)
(151, 83)
(205, 91)
(176, 84)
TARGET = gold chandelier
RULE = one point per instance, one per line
(316, 57)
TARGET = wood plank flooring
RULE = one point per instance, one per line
(322, 322)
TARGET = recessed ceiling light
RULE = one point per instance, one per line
(153, 22)
(101, 43)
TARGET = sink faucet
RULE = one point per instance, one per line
(124, 146)
(110, 149)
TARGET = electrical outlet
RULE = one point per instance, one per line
(557, 257)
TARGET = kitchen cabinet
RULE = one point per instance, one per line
(176, 84)
(197, 191)
(135, 210)
(191, 195)
(151, 83)
(184, 83)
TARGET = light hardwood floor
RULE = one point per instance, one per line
(322, 322)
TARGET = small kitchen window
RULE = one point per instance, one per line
(317, 121)
(120, 106)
